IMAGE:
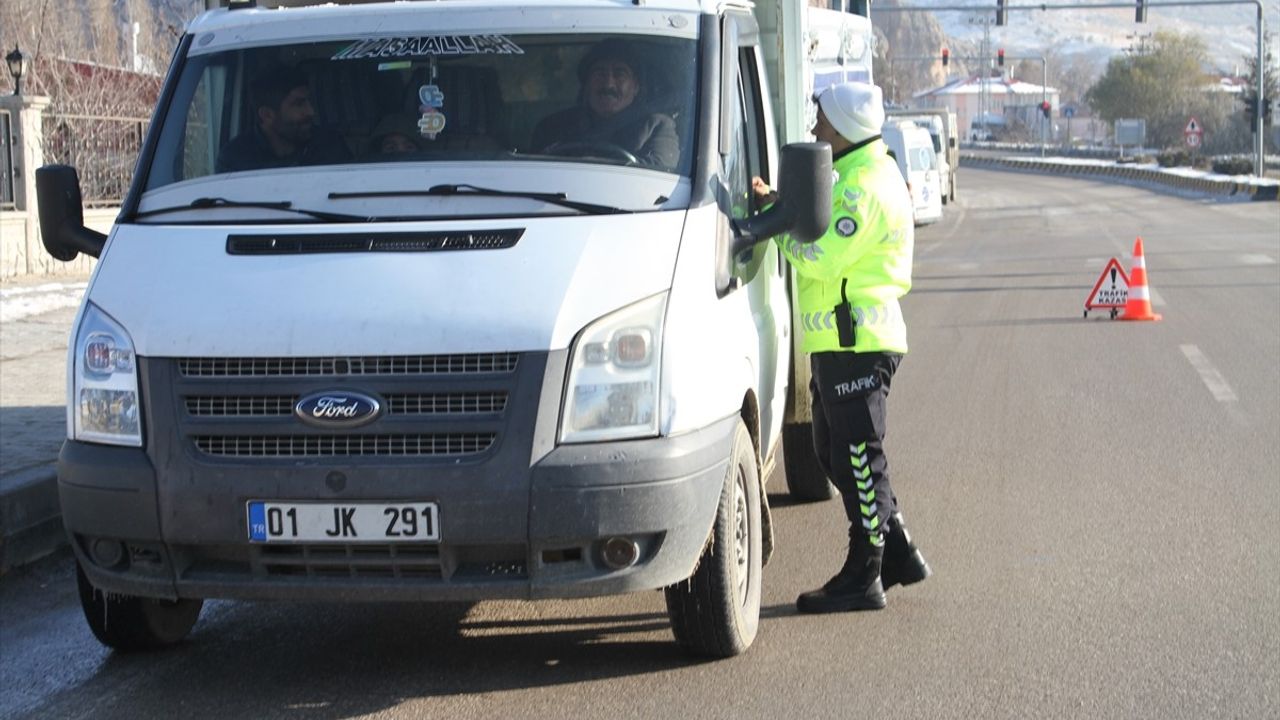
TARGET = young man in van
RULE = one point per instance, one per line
(850, 280)
(285, 133)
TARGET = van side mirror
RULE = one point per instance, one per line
(62, 214)
(803, 208)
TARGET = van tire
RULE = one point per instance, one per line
(716, 612)
(127, 623)
(806, 480)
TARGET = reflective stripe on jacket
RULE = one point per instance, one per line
(868, 247)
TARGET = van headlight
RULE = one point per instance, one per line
(614, 372)
(104, 401)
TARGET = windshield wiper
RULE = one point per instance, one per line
(463, 189)
(205, 203)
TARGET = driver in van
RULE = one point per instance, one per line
(611, 112)
(285, 133)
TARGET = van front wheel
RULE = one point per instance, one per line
(716, 612)
(127, 623)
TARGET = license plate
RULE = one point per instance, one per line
(343, 522)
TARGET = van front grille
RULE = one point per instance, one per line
(447, 403)
(204, 406)
(269, 446)
(400, 404)
(468, 364)
(356, 561)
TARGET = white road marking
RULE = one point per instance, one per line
(1213, 379)
(1156, 300)
(1257, 260)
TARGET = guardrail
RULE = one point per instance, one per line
(1272, 162)
(1202, 183)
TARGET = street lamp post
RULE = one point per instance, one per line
(15, 60)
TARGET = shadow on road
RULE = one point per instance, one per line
(344, 660)
(30, 436)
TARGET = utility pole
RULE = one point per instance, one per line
(984, 59)
(1141, 39)
(1044, 93)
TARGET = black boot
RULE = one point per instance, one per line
(856, 586)
(903, 563)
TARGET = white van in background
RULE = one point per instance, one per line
(912, 147)
(941, 124)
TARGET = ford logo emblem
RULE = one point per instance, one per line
(337, 409)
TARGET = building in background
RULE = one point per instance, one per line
(1000, 105)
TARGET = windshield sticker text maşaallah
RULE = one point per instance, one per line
(429, 45)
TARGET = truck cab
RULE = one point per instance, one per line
(529, 349)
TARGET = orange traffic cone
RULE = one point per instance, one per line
(1138, 306)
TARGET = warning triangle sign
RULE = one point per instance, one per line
(1111, 290)
(1193, 126)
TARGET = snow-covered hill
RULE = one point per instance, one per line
(1228, 30)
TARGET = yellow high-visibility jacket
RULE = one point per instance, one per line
(866, 251)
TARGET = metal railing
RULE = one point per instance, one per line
(102, 148)
(7, 179)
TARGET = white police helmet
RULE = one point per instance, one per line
(854, 109)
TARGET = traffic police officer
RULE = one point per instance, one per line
(849, 283)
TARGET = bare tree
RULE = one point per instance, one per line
(1071, 74)
(102, 85)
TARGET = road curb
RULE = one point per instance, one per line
(1207, 186)
(30, 518)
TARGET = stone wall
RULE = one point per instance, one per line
(22, 253)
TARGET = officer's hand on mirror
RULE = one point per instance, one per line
(764, 194)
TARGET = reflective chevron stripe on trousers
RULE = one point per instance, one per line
(849, 401)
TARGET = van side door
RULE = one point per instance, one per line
(746, 147)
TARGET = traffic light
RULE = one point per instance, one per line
(1000, 57)
(1251, 112)
(1141, 14)
(946, 57)
(1045, 107)
(1001, 13)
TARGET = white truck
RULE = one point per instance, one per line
(942, 127)
(480, 369)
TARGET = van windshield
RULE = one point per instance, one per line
(920, 159)
(624, 100)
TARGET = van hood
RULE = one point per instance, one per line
(179, 293)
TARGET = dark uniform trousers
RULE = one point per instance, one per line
(849, 393)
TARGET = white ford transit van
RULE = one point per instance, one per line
(475, 365)
(912, 147)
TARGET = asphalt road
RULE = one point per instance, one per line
(1100, 501)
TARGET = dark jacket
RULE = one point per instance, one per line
(651, 137)
(252, 151)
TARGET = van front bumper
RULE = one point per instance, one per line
(660, 494)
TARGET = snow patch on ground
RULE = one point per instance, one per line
(1179, 171)
(17, 303)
